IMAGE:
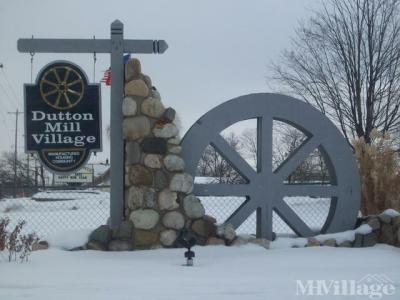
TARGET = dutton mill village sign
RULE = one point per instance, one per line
(63, 109)
(62, 120)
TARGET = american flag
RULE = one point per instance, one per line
(107, 73)
(106, 77)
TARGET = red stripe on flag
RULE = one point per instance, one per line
(107, 77)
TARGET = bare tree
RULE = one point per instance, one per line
(346, 62)
(213, 165)
(7, 173)
(248, 140)
(286, 139)
(7, 170)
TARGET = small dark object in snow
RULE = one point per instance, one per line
(189, 255)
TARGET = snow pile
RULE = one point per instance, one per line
(60, 195)
(391, 213)
(340, 237)
(70, 239)
(285, 242)
(348, 235)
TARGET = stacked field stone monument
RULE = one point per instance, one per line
(159, 206)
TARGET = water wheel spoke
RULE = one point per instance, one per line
(50, 93)
(67, 74)
(292, 219)
(67, 99)
(264, 221)
(74, 92)
(295, 159)
(58, 99)
(313, 190)
(50, 83)
(232, 157)
(222, 189)
(73, 82)
(264, 144)
(57, 76)
(242, 213)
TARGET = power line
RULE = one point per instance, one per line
(5, 125)
(7, 95)
(9, 84)
(2, 111)
(4, 89)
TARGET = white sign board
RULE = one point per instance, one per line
(84, 175)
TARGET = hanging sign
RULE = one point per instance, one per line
(62, 117)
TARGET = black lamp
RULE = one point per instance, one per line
(189, 254)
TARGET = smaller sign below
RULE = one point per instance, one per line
(84, 175)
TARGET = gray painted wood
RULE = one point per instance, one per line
(265, 189)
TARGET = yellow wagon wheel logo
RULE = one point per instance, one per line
(62, 87)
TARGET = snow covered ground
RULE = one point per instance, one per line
(248, 272)
(244, 273)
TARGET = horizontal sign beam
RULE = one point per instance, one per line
(64, 45)
(145, 46)
(88, 46)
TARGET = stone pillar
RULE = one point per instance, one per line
(159, 206)
(158, 199)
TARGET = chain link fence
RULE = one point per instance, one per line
(313, 211)
(55, 208)
(61, 208)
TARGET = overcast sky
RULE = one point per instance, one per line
(218, 50)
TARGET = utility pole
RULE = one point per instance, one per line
(28, 176)
(28, 170)
(16, 113)
(36, 174)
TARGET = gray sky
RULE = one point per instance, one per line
(218, 50)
